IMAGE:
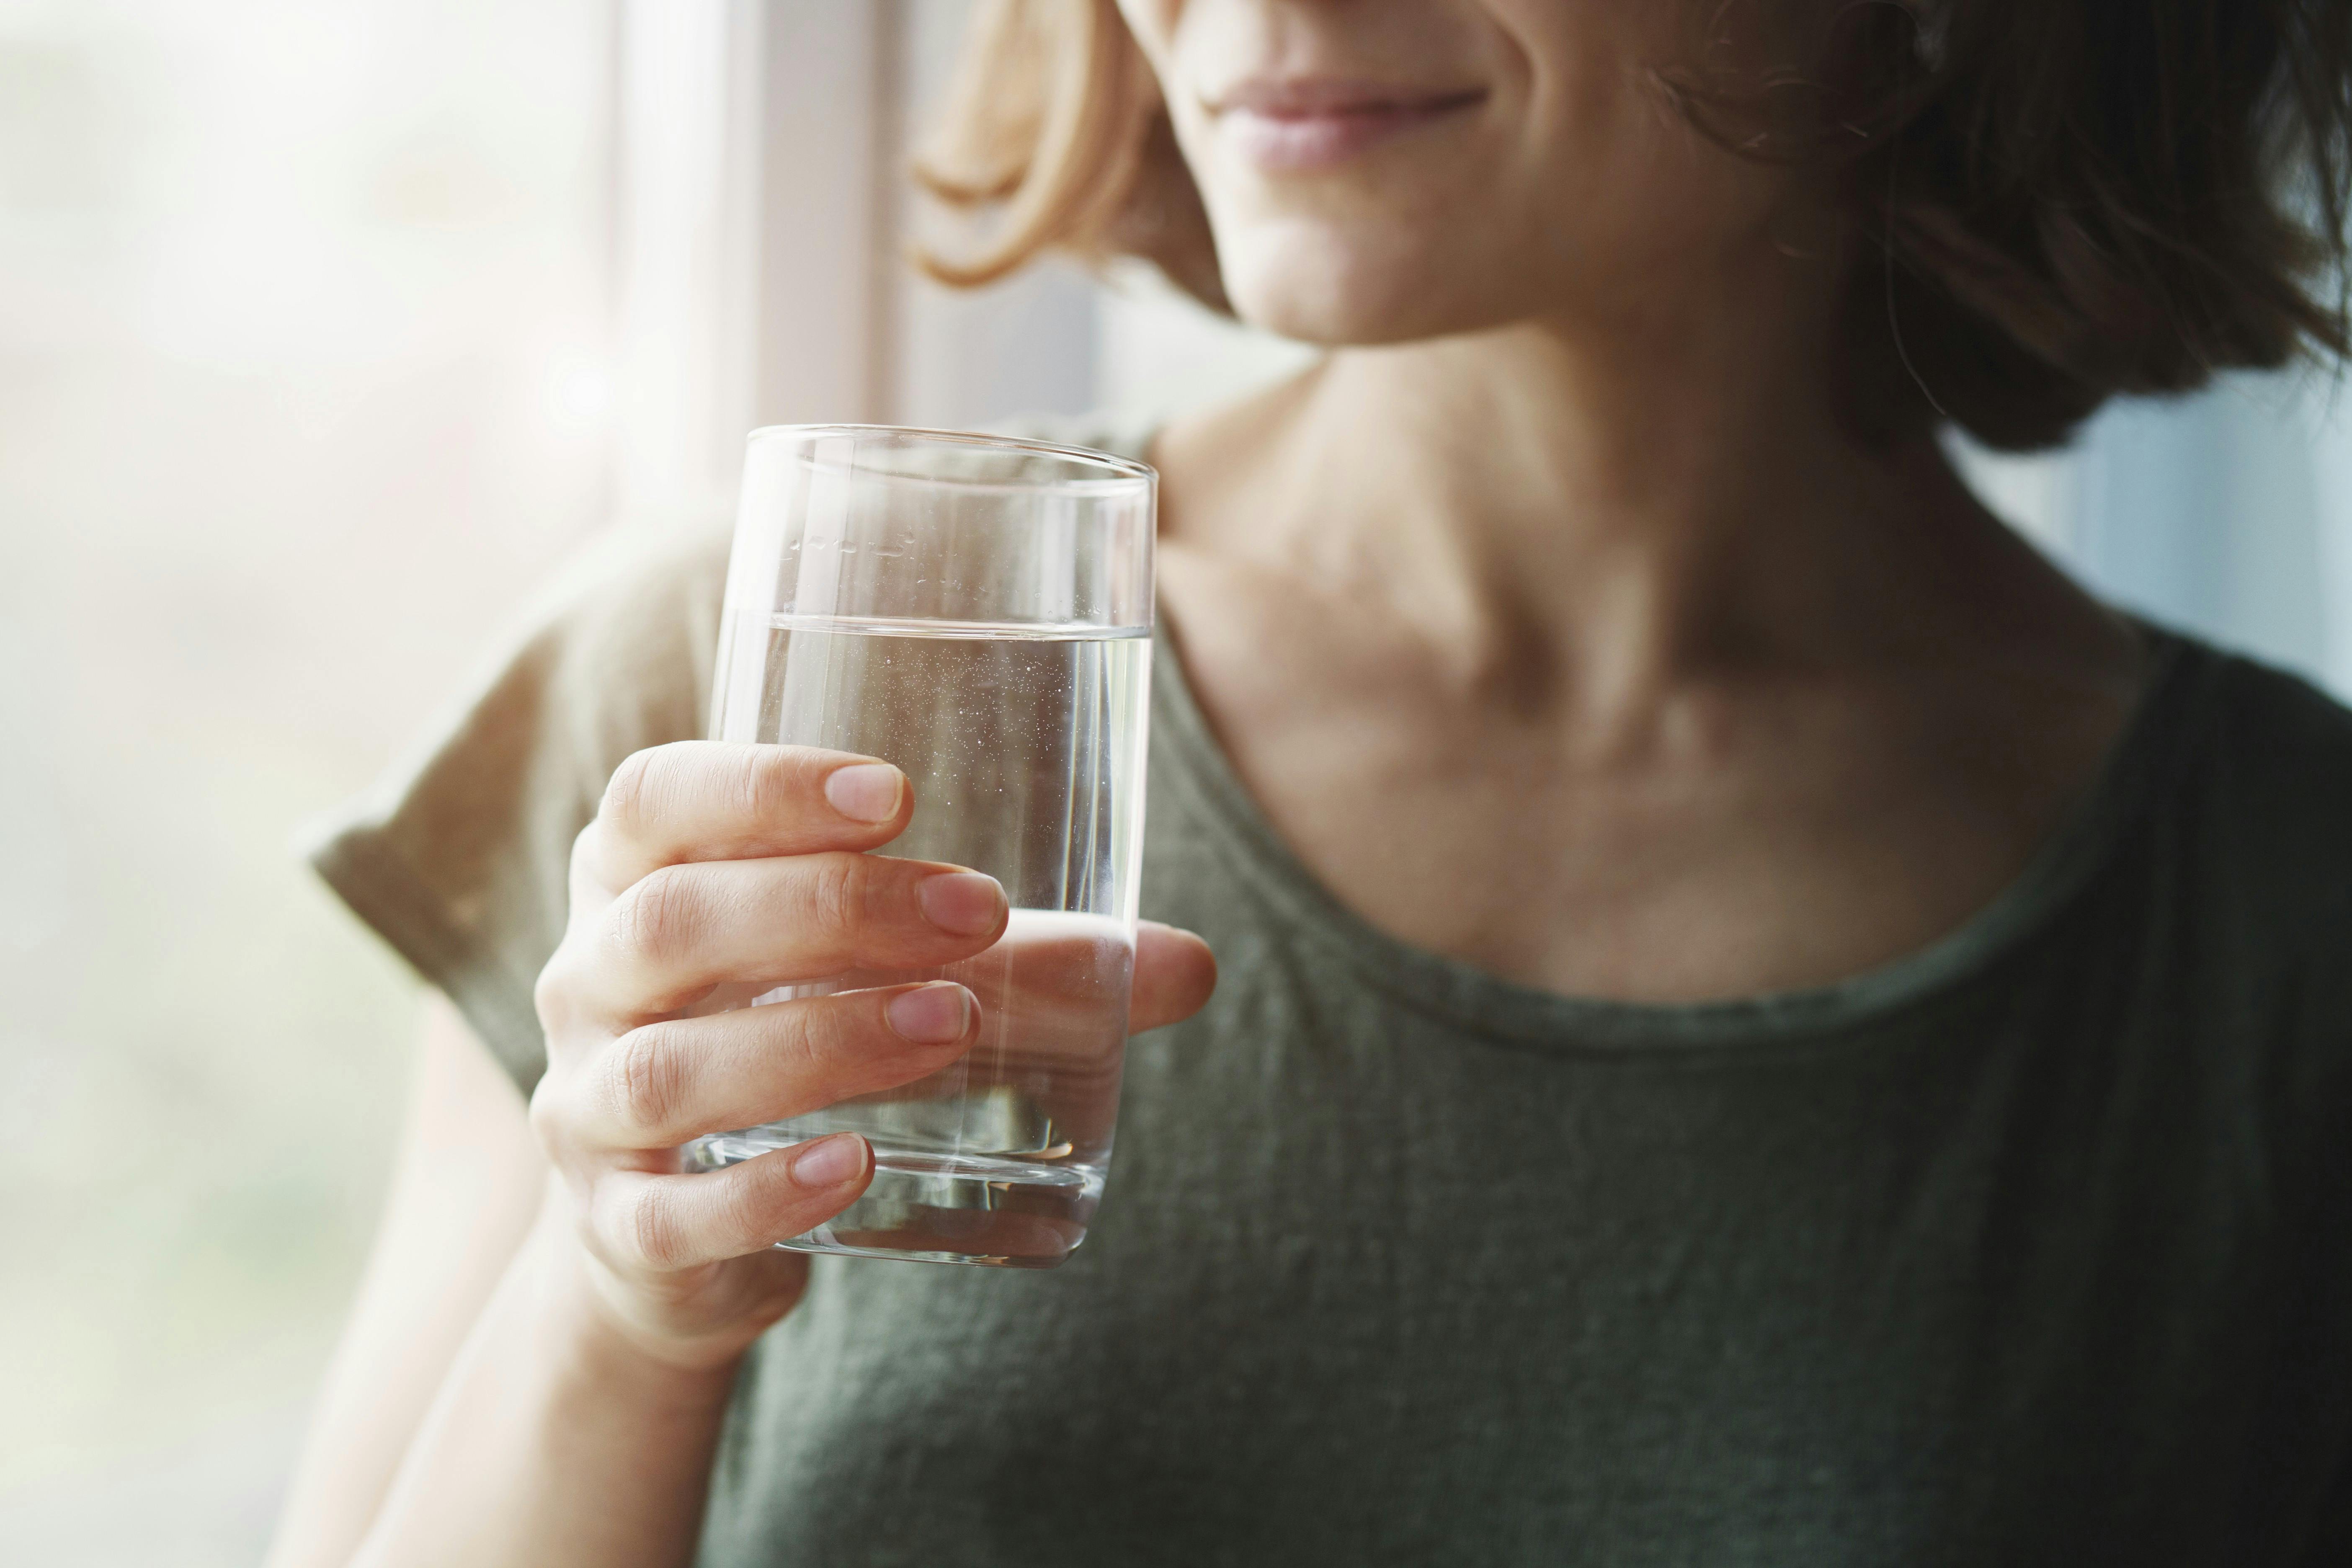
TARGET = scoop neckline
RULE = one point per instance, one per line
(2137, 768)
(2070, 857)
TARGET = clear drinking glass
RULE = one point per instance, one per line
(978, 611)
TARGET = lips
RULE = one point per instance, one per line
(1302, 124)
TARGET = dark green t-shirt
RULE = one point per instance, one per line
(2034, 1247)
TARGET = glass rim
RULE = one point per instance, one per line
(1129, 475)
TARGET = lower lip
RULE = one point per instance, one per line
(1292, 142)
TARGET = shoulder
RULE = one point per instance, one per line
(457, 856)
(636, 599)
(2268, 802)
(2249, 865)
(611, 654)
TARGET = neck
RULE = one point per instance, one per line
(1612, 506)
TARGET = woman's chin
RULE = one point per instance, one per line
(1362, 279)
(1337, 306)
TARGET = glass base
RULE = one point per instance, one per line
(924, 1207)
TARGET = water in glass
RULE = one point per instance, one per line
(1025, 744)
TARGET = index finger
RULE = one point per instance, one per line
(731, 800)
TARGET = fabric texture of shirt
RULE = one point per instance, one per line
(2033, 1247)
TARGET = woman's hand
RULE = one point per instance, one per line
(713, 864)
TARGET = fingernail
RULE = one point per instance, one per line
(962, 903)
(932, 1016)
(863, 791)
(829, 1161)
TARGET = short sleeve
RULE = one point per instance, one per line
(459, 858)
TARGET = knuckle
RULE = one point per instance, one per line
(764, 785)
(629, 793)
(584, 844)
(550, 994)
(661, 916)
(753, 1207)
(546, 1118)
(558, 1114)
(835, 897)
(590, 873)
(647, 1084)
(821, 1035)
(810, 1045)
(655, 1232)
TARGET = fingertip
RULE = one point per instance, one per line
(963, 904)
(937, 1014)
(867, 793)
(1174, 944)
(831, 1164)
(1175, 975)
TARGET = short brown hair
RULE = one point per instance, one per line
(2073, 198)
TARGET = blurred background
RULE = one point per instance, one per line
(327, 327)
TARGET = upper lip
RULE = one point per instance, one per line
(1299, 97)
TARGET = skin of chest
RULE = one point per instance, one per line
(1786, 831)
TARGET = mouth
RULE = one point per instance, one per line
(1301, 124)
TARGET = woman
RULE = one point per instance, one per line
(1758, 1023)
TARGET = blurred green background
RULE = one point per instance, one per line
(300, 386)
